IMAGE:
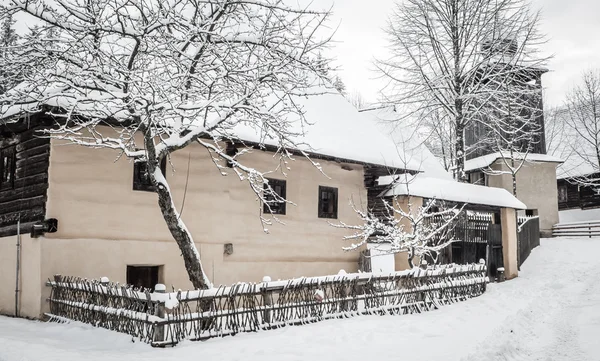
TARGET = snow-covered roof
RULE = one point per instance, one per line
(565, 142)
(333, 128)
(337, 129)
(409, 145)
(450, 190)
(488, 159)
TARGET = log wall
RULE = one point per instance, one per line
(26, 198)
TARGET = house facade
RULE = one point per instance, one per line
(72, 210)
(535, 181)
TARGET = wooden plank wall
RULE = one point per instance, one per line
(27, 199)
(579, 196)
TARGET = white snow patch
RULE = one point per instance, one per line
(171, 303)
(160, 287)
(409, 145)
(578, 215)
(382, 259)
(336, 128)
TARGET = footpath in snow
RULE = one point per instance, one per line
(551, 312)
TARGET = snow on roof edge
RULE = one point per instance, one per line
(488, 159)
(449, 190)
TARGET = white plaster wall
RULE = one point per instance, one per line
(536, 187)
(105, 225)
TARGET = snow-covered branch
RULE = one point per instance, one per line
(146, 78)
(451, 58)
(422, 231)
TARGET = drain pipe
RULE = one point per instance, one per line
(18, 268)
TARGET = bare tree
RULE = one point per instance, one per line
(357, 100)
(583, 120)
(9, 74)
(513, 123)
(176, 73)
(439, 138)
(417, 230)
(445, 52)
(339, 85)
(555, 126)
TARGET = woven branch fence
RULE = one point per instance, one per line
(163, 319)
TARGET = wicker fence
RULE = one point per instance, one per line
(162, 318)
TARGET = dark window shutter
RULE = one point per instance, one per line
(328, 202)
(279, 186)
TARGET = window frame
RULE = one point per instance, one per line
(139, 184)
(334, 191)
(279, 208)
(565, 192)
(142, 273)
(9, 153)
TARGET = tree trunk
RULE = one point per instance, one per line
(513, 173)
(411, 255)
(457, 51)
(460, 151)
(182, 236)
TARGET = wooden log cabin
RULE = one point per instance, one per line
(578, 192)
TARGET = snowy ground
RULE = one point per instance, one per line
(579, 215)
(551, 312)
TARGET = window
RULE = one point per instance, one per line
(562, 193)
(328, 202)
(141, 178)
(142, 276)
(279, 187)
(7, 168)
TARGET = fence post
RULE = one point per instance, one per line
(55, 294)
(159, 331)
(267, 298)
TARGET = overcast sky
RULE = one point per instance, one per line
(572, 27)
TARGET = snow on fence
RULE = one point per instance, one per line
(162, 318)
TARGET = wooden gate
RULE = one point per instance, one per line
(494, 258)
(479, 239)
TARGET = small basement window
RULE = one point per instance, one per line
(279, 187)
(328, 202)
(142, 276)
(7, 168)
(141, 178)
